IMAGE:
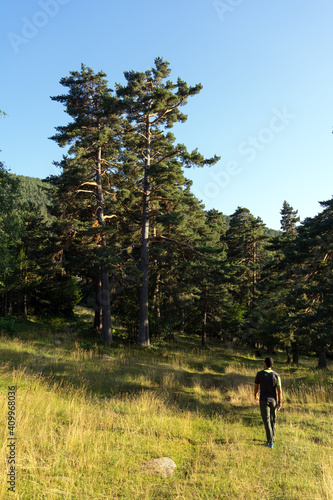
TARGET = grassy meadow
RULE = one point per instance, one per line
(88, 418)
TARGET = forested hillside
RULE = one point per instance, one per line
(124, 233)
(35, 192)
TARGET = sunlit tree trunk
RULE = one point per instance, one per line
(143, 339)
(104, 299)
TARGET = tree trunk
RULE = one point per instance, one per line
(322, 362)
(295, 355)
(203, 330)
(156, 299)
(288, 357)
(25, 309)
(18, 307)
(143, 339)
(98, 307)
(182, 320)
(10, 303)
(104, 279)
(254, 279)
(25, 301)
(106, 308)
(204, 321)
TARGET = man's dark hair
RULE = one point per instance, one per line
(269, 362)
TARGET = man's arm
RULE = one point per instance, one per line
(279, 401)
(256, 397)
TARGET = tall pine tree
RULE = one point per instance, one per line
(87, 183)
(152, 105)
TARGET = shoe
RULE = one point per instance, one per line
(271, 446)
(266, 444)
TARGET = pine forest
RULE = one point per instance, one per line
(119, 230)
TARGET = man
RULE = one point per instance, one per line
(270, 398)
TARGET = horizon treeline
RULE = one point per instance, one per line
(120, 229)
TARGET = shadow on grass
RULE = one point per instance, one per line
(182, 373)
(132, 372)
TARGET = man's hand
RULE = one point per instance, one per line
(256, 397)
(279, 398)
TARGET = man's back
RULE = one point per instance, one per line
(268, 381)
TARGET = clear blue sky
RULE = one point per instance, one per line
(267, 101)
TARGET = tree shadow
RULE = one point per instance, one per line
(133, 373)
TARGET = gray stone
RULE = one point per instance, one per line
(164, 466)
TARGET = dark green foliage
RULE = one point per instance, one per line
(313, 297)
(297, 307)
(277, 326)
(289, 219)
(246, 253)
(29, 277)
(9, 224)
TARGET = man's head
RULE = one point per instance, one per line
(268, 362)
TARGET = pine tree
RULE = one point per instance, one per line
(289, 219)
(245, 240)
(213, 280)
(277, 328)
(174, 245)
(152, 106)
(86, 184)
(313, 296)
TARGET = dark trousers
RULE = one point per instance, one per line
(268, 414)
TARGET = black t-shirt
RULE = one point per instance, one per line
(268, 381)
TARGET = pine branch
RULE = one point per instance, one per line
(168, 111)
(175, 242)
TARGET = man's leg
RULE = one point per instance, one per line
(266, 416)
(273, 419)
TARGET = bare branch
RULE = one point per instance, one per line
(139, 133)
(108, 192)
(85, 191)
(175, 242)
(88, 183)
